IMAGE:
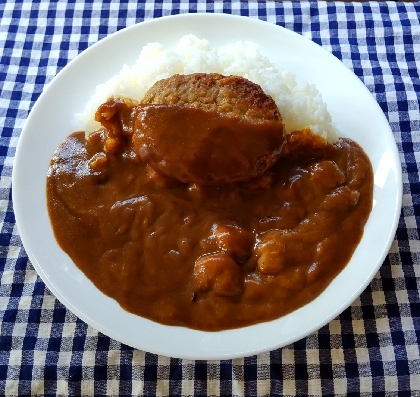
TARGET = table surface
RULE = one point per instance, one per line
(372, 348)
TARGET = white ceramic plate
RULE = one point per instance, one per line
(353, 109)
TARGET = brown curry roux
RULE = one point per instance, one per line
(209, 257)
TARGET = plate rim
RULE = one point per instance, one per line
(57, 293)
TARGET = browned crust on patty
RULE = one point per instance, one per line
(232, 95)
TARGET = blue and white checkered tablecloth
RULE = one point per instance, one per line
(371, 349)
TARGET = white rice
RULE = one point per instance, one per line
(300, 104)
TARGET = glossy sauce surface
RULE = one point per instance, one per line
(202, 256)
(225, 149)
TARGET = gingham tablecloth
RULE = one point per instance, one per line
(372, 348)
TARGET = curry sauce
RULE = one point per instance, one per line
(209, 257)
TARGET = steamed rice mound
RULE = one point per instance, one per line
(300, 104)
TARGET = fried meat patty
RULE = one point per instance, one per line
(208, 129)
